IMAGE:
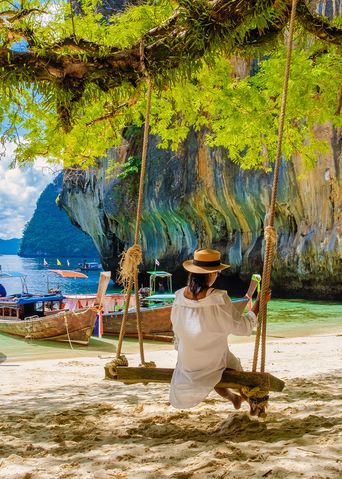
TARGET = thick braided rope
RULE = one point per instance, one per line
(269, 239)
(131, 259)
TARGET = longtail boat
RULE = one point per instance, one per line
(41, 317)
(44, 317)
(156, 317)
(154, 320)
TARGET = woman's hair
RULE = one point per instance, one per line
(198, 282)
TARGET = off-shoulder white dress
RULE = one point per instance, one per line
(201, 328)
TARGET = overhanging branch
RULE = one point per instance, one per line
(195, 28)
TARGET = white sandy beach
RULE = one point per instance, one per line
(61, 419)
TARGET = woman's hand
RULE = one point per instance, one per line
(268, 295)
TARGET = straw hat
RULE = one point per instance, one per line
(205, 261)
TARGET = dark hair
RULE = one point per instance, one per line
(198, 282)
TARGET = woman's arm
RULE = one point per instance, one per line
(242, 325)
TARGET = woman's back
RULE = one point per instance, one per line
(201, 328)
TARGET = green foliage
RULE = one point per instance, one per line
(243, 114)
(131, 167)
(238, 112)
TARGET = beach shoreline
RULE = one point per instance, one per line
(14, 350)
(61, 419)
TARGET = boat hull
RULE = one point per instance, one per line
(76, 326)
(154, 320)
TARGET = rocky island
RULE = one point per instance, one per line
(198, 197)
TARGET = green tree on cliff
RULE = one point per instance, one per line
(50, 232)
(70, 83)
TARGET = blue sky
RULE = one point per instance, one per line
(19, 192)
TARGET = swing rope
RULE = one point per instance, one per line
(132, 258)
(258, 398)
(270, 232)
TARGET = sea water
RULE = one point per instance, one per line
(39, 278)
(285, 318)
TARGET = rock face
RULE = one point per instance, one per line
(199, 198)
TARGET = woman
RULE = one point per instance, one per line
(202, 317)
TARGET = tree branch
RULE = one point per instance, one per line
(195, 28)
(112, 114)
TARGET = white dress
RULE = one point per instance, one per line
(201, 328)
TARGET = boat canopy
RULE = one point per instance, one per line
(65, 273)
(37, 299)
(159, 274)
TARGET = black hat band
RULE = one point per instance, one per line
(206, 263)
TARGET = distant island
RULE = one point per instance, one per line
(10, 246)
(50, 232)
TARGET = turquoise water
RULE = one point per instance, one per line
(302, 317)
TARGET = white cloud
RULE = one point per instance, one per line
(20, 189)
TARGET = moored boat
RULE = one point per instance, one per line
(155, 320)
(89, 266)
(41, 317)
(44, 317)
(156, 316)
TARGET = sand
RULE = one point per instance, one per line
(60, 419)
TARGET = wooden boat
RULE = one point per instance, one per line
(43, 317)
(40, 317)
(155, 320)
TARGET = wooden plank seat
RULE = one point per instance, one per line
(230, 378)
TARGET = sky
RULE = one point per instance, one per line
(19, 192)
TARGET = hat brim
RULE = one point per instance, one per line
(189, 266)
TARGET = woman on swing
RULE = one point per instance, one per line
(202, 317)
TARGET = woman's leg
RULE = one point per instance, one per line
(233, 363)
(226, 393)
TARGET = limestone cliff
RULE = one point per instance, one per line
(199, 198)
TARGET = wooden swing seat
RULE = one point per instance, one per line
(230, 378)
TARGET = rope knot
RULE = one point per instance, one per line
(257, 399)
(129, 264)
(112, 365)
(270, 235)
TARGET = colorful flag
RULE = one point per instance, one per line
(98, 328)
(58, 262)
(157, 262)
(45, 262)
